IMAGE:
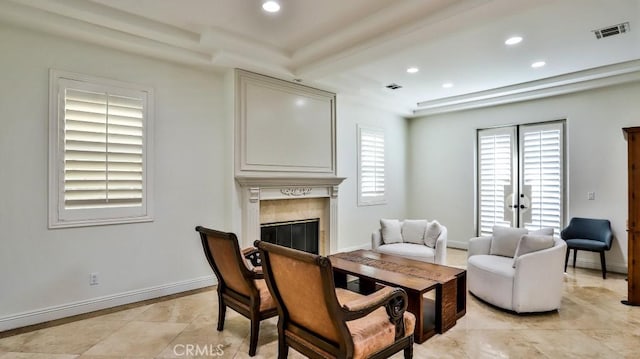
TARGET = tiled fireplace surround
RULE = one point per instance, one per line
(269, 200)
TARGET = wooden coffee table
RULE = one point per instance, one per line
(433, 315)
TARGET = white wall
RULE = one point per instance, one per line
(356, 223)
(43, 272)
(441, 179)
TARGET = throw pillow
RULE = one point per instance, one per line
(413, 230)
(505, 240)
(532, 243)
(546, 231)
(432, 233)
(391, 231)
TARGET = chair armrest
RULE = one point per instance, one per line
(479, 245)
(256, 273)
(540, 272)
(253, 255)
(393, 299)
(360, 307)
(441, 247)
(376, 239)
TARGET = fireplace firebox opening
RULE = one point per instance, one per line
(302, 235)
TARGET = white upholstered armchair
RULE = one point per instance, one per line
(531, 282)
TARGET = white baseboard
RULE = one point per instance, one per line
(355, 248)
(458, 244)
(90, 305)
(590, 264)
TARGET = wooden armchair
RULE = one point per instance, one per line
(241, 288)
(321, 321)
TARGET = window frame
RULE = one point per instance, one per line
(376, 200)
(61, 217)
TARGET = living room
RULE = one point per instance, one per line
(429, 157)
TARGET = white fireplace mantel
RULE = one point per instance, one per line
(288, 181)
(259, 188)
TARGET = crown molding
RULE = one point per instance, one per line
(552, 86)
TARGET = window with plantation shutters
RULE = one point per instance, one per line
(371, 172)
(520, 177)
(100, 160)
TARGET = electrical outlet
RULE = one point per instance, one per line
(591, 196)
(93, 279)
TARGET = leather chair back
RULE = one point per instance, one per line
(223, 252)
(589, 228)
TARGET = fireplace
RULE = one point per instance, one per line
(302, 235)
(282, 199)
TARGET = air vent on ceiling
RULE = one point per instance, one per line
(393, 86)
(611, 30)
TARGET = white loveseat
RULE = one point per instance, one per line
(426, 245)
(531, 282)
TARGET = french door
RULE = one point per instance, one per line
(520, 176)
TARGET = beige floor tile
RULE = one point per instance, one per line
(625, 344)
(70, 338)
(591, 323)
(201, 336)
(15, 355)
(569, 344)
(138, 338)
(113, 357)
(127, 314)
(181, 310)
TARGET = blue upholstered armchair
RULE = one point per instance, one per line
(589, 235)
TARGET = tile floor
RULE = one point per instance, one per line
(590, 324)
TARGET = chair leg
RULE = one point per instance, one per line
(566, 259)
(253, 339)
(283, 348)
(408, 352)
(575, 255)
(222, 311)
(603, 263)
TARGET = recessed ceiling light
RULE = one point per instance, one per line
(413, 70)
(538, 64)
(447, 85)
(271, 6)
(513, 40)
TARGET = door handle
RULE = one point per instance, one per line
(522, 206)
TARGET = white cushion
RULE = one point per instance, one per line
(546, 231)
(413, 230)
(418, 252)
(391, 231)
(432, 233)
(491, 279)
(530, 243)
(505, 240)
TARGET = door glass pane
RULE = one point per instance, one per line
(495, 178)
(541, 161)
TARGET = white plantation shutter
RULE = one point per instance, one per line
(100, 165)
(541, 161)
(103, 150)
(495, 177)
(371, 170)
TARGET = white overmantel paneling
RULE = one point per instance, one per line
(285, 148)
(283, 128)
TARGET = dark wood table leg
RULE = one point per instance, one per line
(340, 279)
(447, 306)
(415, 307)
